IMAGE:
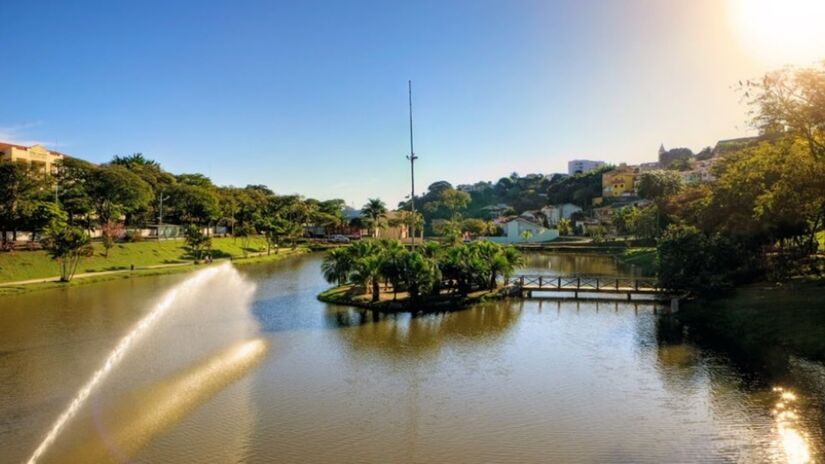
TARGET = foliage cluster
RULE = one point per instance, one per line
(428, 270)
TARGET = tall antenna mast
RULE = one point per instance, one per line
(412, 159)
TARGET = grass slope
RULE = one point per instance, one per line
(24, 265)
(643, 257)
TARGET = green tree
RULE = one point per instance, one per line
(565, 226)
(374, 211)
(337, 266)
(791, 101)
(67, 245)
(658, 185)
(197, 243)
(474, 226)
(366, 258)
(19, 187)
(116, 191)
(190, 204)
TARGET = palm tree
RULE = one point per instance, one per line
(420, 274)
(393, 254)
(337, 266)
(564, 226)
(375, 210)
(504, 263)
(368, 274)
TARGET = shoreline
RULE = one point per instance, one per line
(89, 278)
(343, 295)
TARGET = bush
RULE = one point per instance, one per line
(132, 236)
(690, 260)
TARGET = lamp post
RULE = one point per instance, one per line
(412, 159)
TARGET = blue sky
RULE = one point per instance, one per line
(311, 96)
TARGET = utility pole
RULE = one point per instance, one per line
(160, 212)
(412, 159)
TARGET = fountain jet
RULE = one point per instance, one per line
(194, 283)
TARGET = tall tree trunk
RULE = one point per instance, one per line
(376, 290)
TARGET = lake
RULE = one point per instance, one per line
(245, 365)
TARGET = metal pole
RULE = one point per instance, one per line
(160, 213)
(412, 159)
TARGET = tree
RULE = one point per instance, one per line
(75, 180)
(190, 204)
(623, 219)
(454, 201)
(38, 215)
(109, 232)
(690, 260)
(420, 274)
(274, 229)
(19, 186)
(116, 191)
(135, 159)
(565, 226)
(792, 101)
(474, 226)
(658, 184)
(367, 266)
(196, 241)
(245, 232)
(375, 211)
(337, 266)
(67, 245)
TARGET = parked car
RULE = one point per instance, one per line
(339, 239)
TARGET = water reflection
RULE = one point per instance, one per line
(116, 430)
(575, 264)
(793, 440)
(394, 334)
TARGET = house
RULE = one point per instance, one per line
(581, 166)
(495, 211)
(36, 155)
(620, 181)
(666, 157)
(518, 229)
(555, 213)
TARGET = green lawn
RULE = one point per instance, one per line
(24, 265)
(643, 257)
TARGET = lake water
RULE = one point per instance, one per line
(247, 366)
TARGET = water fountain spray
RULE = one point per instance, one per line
(112, 360)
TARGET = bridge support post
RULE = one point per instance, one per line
(629, 296)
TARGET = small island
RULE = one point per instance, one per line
(388, 276)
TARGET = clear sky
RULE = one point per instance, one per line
(311, 96)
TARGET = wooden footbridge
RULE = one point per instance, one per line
(587, 287)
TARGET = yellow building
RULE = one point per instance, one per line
(620, 181)
(35, 155)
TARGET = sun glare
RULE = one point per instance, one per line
(779, 32)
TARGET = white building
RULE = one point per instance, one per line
(521, 230)
(582, 166)
(555, 213)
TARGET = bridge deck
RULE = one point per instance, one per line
(587, 284)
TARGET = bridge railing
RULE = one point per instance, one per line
(583, 283)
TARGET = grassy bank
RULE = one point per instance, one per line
(25, 265)
(642, 257)
(765, 320)
(354, 296)
(105, 276)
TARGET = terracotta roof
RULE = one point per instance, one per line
(10, 145)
